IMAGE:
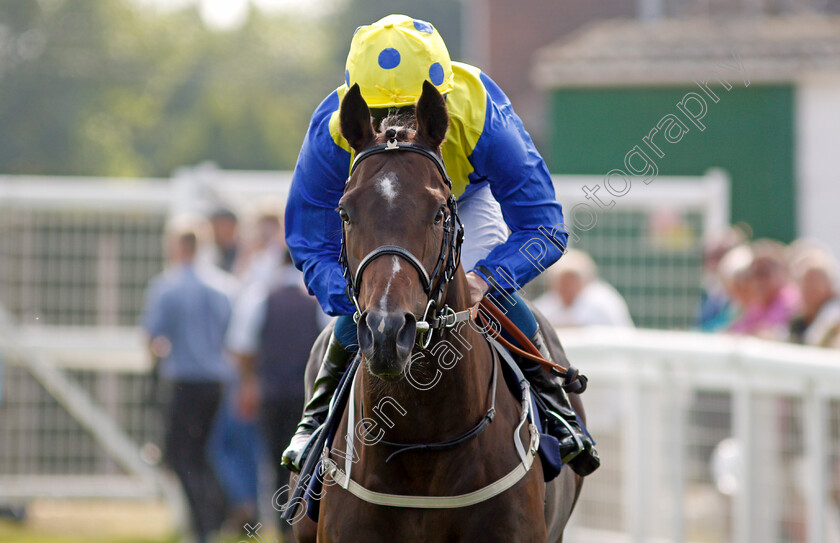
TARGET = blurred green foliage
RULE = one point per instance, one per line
(93, 87)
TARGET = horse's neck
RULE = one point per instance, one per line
(445, 390)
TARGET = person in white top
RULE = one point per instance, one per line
(818, 275)
(577, 297)
(264, 253)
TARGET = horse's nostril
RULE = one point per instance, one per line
(406, 336)
(365, 334)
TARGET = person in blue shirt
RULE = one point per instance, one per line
(505, 197)
(186, 315)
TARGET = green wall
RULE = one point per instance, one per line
(749, 133)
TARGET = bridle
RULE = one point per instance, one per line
(448, 260)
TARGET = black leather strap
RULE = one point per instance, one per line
(397, 251)
(472, 433)
(403, 146)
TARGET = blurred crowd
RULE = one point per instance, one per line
(759, 288)
(230, 326)
(766, 289)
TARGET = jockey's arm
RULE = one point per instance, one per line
(313, 227)
(506, 156)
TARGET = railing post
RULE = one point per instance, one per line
(676, 396)
(816, 427)
(633, 440)
(742, 502)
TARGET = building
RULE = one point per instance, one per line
(758, 97)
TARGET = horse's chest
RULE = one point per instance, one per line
(516, 516)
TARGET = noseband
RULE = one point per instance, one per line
(448, 259)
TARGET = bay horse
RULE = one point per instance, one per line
(398, 224)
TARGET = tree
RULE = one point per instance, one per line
(107, 88)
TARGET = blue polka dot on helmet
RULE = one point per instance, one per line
(423, 26)
(391, 58)
(436, 73)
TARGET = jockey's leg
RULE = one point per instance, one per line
(484, 229)
(576, 446)
(341, 348)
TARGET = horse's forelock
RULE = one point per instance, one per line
(403, 122)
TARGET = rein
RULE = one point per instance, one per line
(572, 378)
(449, 257)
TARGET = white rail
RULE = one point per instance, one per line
(655, 377)
(657, 373)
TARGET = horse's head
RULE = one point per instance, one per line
(399, 226)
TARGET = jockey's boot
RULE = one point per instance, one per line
(315, 412)
(576, 447)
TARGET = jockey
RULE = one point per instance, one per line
(499, 178)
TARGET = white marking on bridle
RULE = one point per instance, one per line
(383, 302)
(387, 186)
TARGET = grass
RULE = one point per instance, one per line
(90, 521)
(101, 521)
(14, 533)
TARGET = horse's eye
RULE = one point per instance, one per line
(345, 218)
(439, 216)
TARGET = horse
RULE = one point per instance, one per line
(420, 386)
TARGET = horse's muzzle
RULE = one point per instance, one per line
(386, 340)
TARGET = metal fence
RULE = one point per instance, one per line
(80, 252)
(649, 244)
(76, 255)
(708, 438)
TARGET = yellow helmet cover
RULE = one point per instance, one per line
(391, 58)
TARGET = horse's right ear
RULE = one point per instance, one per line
(354, 120)
(432, 118)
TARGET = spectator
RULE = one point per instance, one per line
(235, 454)
(186, 314)
(818, 324)
(715, 309)
(576, 297)
(225, 226)
(271, 333)
(733, 272)
(772, 300)
(234, 440)
(266, 248)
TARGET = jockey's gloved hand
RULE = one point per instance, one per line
(478, 287)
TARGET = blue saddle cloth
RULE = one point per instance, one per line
(549, 450)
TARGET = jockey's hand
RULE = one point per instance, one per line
(478, 287)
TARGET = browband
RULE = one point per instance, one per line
(394, 145)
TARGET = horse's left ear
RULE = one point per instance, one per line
(432, 118)
(354, 120)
